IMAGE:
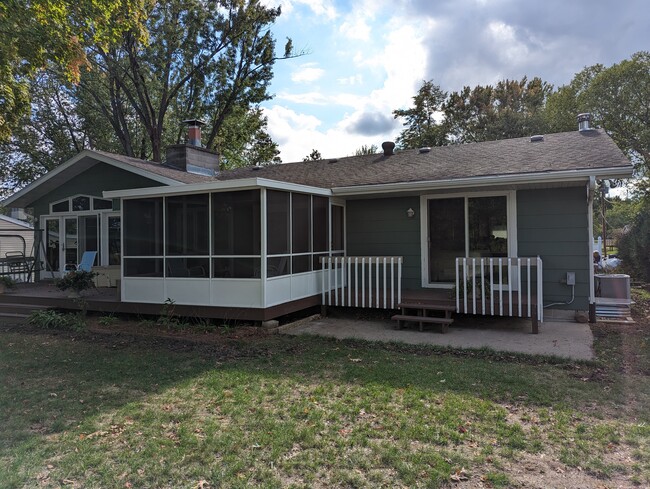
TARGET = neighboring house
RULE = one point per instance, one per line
(264, 241)
(15, 236)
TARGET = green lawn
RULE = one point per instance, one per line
(89, 410)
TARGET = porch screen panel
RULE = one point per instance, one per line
(236, 228)
(236, 234)
(278, 217)
(488, 226)
(446, 237)
(300, 232)
(52, 244)
(187, 225)
(143, 237)
(320, 229)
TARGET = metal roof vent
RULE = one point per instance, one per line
(584, 122)
(256, 168)
(388, 147)
(538, 138)
(333, 160)
(426, 149)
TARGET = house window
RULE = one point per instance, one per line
(81, 203)
(102, 204)
(236, 234)
(337, 229)
(63, 206)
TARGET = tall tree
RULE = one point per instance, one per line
(34, 33)
(421, 127)
(618, 98)
(313, 156)
(509, 109)
(199, 62)
(367, 150)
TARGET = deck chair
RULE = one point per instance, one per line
(87, 260)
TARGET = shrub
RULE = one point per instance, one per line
(77, 280)
(49, 319)
(634, 246)
(7, 281)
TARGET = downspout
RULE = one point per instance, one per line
(591, 189)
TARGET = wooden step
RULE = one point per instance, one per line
(445, 322)
(17, 313)
(427, 306)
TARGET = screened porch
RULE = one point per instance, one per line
(252, 247)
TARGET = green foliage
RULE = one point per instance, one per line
(313, 156)
(76, 280)
(37, 32)
(509, 109)
(107, 320)
(50, 319)
(367, 150)
(634, 246)
(7, 282)
(421, 125)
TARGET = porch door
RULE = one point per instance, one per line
(70, 244)
(446, 238)
(52, 244)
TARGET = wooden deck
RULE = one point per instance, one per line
(106, 300)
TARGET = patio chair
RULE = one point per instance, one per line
(87, 260)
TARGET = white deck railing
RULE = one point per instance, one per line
(507, 294)
(362, 281)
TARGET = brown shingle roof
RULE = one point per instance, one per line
(560, 151)
(158, 169)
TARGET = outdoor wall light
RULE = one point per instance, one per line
(410, 213)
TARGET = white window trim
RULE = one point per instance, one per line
(71, 198)
(511, 216)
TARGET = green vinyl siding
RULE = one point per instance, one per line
(380, 227)
(94, 181)
(553, 223)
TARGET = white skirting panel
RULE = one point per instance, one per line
(232, 292)
(150, 290)
(195, 292)
(293, 287)
(278, 290)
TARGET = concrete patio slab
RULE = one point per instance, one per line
(561, 338)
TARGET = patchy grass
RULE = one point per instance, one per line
(90, 410)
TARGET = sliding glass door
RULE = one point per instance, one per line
(464, 227)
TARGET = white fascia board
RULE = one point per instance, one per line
(217, 185)
(520, 178)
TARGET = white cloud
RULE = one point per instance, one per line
(351, 80)
(355, 29)
(307, 73)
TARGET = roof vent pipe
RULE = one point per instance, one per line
(388, 147)
(194, 131)
(584, 122)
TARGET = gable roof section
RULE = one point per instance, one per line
(89, 158)
(561, 153)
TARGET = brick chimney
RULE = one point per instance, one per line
(191, 157)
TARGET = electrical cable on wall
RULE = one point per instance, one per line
(573, 296)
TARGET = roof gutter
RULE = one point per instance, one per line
(485, 181)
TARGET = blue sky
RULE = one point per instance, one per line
(367, 58)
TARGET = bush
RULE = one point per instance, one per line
(7, 281)
(634, 246)
(77, 280)
(49, 319)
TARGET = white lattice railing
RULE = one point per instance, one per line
(509, 286)
(362, 281)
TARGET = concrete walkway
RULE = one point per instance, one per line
(561, 338)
